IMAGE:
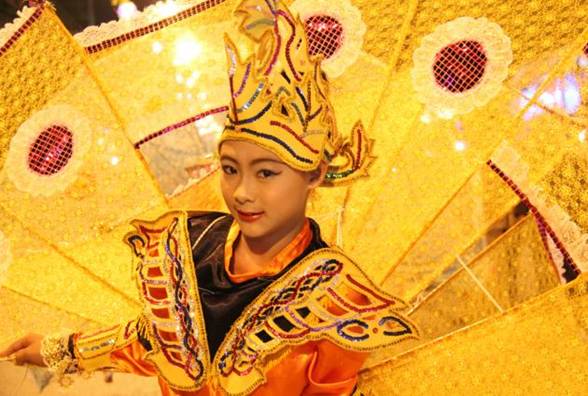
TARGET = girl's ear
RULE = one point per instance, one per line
(318, 175)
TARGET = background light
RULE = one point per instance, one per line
(157, 47)
(126, 10)
(187, 49)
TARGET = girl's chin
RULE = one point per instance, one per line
(254, 236)
(252, 230)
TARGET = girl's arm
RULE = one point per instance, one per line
(119, 348)
(122, 348)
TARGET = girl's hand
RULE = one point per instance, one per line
(26, 350)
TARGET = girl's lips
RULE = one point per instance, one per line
(249, 216)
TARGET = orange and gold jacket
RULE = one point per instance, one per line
(304, 325)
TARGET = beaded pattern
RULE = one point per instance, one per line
(248, 104)
(19, 60)
(245, 78)
(94, 48)
(272, 138)
(357, 151)
(184, 308)
(283, 86)
(571, 270)
(291, 132)
(297, 308)
(21, 30)
(166, 279)
(180, 124)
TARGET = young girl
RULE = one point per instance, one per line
(253, 301)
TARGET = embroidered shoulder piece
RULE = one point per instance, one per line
(325, 296)
(165, 274)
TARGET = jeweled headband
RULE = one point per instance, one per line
(279, 97)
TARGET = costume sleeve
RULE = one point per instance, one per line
(119, 347)
(314, 368)
(333, 370)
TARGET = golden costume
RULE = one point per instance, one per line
(303, 326)
(475, 211)
(305, 323)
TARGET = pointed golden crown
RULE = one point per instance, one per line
(279, 97)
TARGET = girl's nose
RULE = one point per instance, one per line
(244, 192)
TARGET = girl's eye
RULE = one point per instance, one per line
(229, 170)
(265, 173)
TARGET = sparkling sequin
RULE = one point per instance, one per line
(245, 77)
(252, 99)
(255, 117)
(233, 58)
(93, 348)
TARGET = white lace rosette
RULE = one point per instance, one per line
(485, 78)
(353, 30)
(152, 14)
(5, 256)
(567, 230)
(18, 163)
(11, 28)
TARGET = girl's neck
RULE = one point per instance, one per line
(251, 254)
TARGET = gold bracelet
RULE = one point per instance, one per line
(55, 354)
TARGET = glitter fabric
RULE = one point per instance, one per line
(284, 79)
(475, 211)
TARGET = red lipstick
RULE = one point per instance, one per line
(249, 217)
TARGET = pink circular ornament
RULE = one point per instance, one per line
(460, 66)
(325, 35)
(51, 151)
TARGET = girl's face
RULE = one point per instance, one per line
(264, 195)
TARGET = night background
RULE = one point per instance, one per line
(76, 14)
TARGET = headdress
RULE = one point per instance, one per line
(279, 97)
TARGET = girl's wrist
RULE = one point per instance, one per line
(57, 356)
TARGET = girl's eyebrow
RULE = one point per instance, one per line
(227, 157)
(256, 161)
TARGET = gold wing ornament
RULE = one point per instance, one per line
(296, 310)
(474, 211)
